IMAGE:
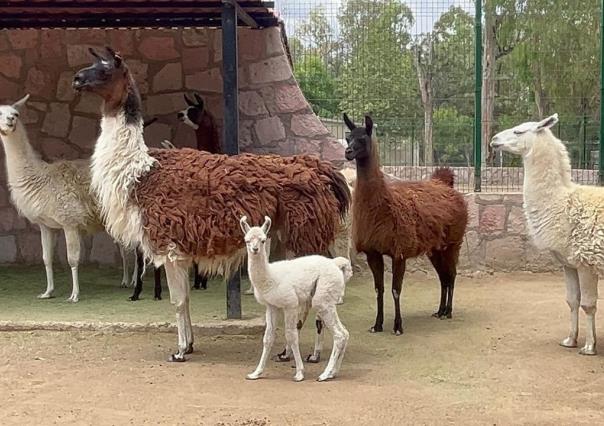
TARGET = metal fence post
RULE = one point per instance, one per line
(231, 125)
(601, 153)
(478, 95)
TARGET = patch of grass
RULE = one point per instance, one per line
(101, 298)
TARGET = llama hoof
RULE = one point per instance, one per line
(438, 314)
(253, 376)
(189, 349)
(313, 359)
(280, 357)
(376, 329)
(588, 350)
(449, 315)
(45, 296)
(397, 332)
(133, 298)
(73, 299)
(157, 298)
(569, 342)
(324, 377)
(176, 358)
(124, 284)
(299, 377)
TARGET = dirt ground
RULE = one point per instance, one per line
(496, 362)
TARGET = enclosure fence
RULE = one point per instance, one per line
(441, 77)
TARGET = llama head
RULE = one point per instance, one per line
(107, 76)
(9, 116)
(520, 139)
(359, 139)
(255, 236)
(193, 114)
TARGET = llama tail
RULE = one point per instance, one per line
(345, 266)
(444, 175)
(339, 186)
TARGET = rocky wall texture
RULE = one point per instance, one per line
(274, 115)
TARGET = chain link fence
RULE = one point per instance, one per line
(412, 66)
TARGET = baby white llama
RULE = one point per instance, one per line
(52, 195)
(563, 217)
(294, 286)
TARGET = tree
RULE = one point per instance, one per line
(318, 85)
(424, 65)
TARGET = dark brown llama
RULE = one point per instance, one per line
(183, 205)
(403, 220)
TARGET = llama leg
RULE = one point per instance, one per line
(140, 267)
(176, 274)
(188, 323)
(588, 282)
(157, 279)
(72, 240)
(49, 238)
(445, 264)
(316, 355)
(376, 263)
(573, 298)
(135, 270)
(340, 339)
(125, 274)
(398, 272)
(291, 337)
(267, 342)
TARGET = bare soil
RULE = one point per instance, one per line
(496, 362)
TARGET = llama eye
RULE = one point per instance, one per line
(262, 241)
(519, 132)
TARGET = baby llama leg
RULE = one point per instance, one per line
(291, 338)
(267, 341)
(573, 298)
(125, 276)
(588, 281)
(72, 240)
(330, 317)
(49, 238)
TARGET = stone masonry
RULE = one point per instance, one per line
(274, 115)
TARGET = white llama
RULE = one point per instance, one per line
(52, 195)
(563, 217)
(293, 286)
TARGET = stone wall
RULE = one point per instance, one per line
(274, 116)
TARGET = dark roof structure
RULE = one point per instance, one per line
(131, 13)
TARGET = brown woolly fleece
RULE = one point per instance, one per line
(407, 219)
(195, 199)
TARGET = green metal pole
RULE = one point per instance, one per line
(601, 156)
(478, 95)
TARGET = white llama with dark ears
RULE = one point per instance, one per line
(565, 218)
(293, 286)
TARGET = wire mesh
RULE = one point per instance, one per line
(410, 64)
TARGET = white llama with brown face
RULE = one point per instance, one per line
(55, 196)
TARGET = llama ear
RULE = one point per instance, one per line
(18, 104)
(117, 59)
(244, 225)
(348, 122)
(95, 54)
(189, 101)
(266, 226)
(199, 100)
(368, 125)
(548, 123)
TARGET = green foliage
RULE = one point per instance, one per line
(453, 136)
(318, 85)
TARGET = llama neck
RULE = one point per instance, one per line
(207, 136)
(547, 171)
(258, 270)
(120, 158)
(21, 158)
(369, 174)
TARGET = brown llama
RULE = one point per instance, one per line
(184, 205)
(403, 220)
(208, 139)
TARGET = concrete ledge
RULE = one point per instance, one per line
(251, 326)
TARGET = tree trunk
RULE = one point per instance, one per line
(423, 66)
(488, 83)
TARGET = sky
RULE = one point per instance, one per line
(426, 12)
